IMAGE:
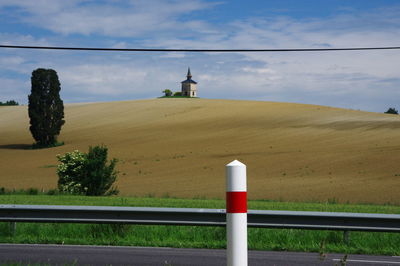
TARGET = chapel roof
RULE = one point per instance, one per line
(189, 78)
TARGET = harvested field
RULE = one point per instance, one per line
(179, 147)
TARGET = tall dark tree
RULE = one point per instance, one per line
(46, 109)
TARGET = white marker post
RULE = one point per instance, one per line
(236, 214)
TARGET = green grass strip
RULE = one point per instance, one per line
(330, 206)
(198, 236)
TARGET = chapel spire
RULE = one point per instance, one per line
(189, 75)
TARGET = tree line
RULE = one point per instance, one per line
(169, 93)
(9, 103)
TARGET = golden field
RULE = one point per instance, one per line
(179, 148)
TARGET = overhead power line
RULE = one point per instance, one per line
(199, 50)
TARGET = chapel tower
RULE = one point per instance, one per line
(189, 86)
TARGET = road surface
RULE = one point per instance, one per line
(104, 255)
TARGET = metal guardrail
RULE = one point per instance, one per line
(202, 217)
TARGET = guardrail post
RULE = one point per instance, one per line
(346, 236)
(13, 228)
(236, 214)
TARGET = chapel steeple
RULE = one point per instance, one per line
(189, 86)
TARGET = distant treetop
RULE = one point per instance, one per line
(392, 111)
(9, 103)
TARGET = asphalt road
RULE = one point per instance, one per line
(102, 255)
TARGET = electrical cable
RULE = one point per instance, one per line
(199, 50)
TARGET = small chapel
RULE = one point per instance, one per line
(189, 86)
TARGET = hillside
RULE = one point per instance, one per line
(179, 147)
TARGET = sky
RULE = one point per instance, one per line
(359, 80)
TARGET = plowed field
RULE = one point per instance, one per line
(179, 148)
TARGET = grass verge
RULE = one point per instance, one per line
(178, 96)
(197, 236)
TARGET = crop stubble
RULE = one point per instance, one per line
(179, 148)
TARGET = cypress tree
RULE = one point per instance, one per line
(46, 109)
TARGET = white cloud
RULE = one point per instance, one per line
(110, 18)
(11, 61)
(259, 70)
(102, 79)
(13, 89)
(173, 55)
(20, 39)
(346, 79)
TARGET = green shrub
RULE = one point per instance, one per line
(52, 192)
(70, 172)
(167, 93)
(392, 111)
(178, 93)
(32, 191)
(87, 173)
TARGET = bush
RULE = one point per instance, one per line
(87, 173)
(167, 92)
(392, 111)
(32, 191)
(178, 93)
(53, 192)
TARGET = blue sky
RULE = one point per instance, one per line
(368, 80)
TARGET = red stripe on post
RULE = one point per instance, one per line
(236, 202)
